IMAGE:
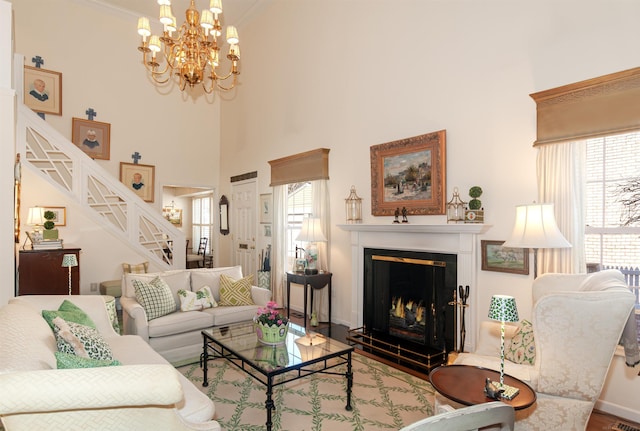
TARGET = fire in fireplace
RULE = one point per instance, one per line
(406, 298)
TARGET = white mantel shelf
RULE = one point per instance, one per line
(459, 228)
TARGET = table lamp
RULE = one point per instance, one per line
(69, 261)
(36, 219)
(311, 232)
(536, 228)
(503, 309)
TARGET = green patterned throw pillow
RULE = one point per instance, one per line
(155, 297)
(522, 349)
(80, 340)
(69, 312)
(234, 293)
(66, 360)
(199, 300)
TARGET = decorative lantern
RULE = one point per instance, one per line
(353, 206)
(455, 208)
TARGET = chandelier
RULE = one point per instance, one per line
(193, 56)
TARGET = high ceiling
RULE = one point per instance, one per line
(234, 12)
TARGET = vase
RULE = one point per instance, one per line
(271, 335)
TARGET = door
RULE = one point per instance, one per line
(243, 210)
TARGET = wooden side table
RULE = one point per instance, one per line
(315, 281)
(464, 384)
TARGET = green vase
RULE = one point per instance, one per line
(271, 334)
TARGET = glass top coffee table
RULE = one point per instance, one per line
(300, 356)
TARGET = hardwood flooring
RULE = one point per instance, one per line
(599, 421)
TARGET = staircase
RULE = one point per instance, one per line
(102, 197)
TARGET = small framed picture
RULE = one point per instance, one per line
(92, 137)
(139, 179)
(43, 90)
(173, 215)
(60, 218)
(267, 230)
(265, 208)
(497, 258)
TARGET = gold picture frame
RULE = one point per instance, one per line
(504, 259)
(43, 90)
(409, 173)
(92, 137)
(173, 216)
(139, 179)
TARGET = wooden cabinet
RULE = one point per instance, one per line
(40, 272)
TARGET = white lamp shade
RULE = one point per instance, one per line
(69, 260)
(536, 227)
(35, 216)
(503, 308)
(311, 230)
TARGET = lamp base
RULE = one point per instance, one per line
(310, 271)
(509, 392)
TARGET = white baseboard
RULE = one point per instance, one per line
(617, 410)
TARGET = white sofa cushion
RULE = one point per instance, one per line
(211, 277)
(179, 322)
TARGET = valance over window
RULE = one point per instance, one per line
(600, 106)
(308, 166)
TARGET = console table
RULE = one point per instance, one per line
(40, 272)
(315, 281)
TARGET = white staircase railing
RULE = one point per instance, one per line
(104, 199)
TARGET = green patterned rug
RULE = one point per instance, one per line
(383, 398)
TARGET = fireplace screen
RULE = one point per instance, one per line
(406, 296)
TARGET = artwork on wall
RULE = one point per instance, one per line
(60, 215)
(92, 137)
(173, 215)
(265, 208)
(43, 90)
(409, 173)
(139, 179)
(504, 259)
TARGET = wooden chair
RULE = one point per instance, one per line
(200, 257)
(468, 419)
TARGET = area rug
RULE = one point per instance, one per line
(383, 398)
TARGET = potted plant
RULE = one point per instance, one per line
(49, 231)
(475, 212)
(271, 326)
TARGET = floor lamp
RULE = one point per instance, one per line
(503, 309)
(69, 261)
(536, 228)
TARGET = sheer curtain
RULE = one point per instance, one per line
(279, 246)
(322, 211)
(561, 181)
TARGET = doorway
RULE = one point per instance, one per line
(243, 210)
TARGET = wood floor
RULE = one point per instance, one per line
(598, 422)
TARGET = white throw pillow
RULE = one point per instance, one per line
(190, 301)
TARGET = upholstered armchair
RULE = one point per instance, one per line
(577, 321)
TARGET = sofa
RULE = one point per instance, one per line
(564, 353)
(144, 392)
(177, 335)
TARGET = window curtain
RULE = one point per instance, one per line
(561, 174)
(278, 252)
(322, 211)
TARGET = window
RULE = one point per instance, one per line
(202, 221)
(612, 161)
(299, 206)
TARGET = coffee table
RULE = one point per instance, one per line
(300, 356)
(465, 384)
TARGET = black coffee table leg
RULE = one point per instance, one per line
(269, 403)
(205, 356)
(349, 376)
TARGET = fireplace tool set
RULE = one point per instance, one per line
(460, 302)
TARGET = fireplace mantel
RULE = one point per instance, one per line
(459, 239)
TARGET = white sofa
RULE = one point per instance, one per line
(177, 336)
(144, 393)
(578, 320)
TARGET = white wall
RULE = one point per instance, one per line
(349, 74)
(95, 49)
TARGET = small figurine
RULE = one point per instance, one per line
(492, 391)
(397, 214)
(404, 215)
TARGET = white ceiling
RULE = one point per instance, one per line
(234, 12)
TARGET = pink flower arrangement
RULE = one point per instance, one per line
(270, 316)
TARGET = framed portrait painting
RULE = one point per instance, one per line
(139, 179)
(43, 90)
(409, 174)
(92, 137)
(497, 258)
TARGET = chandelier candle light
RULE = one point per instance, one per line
(193, 55)
(69, 261)
(503, 309)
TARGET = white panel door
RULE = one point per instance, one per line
(243, 225)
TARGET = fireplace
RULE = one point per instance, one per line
(454, 244)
